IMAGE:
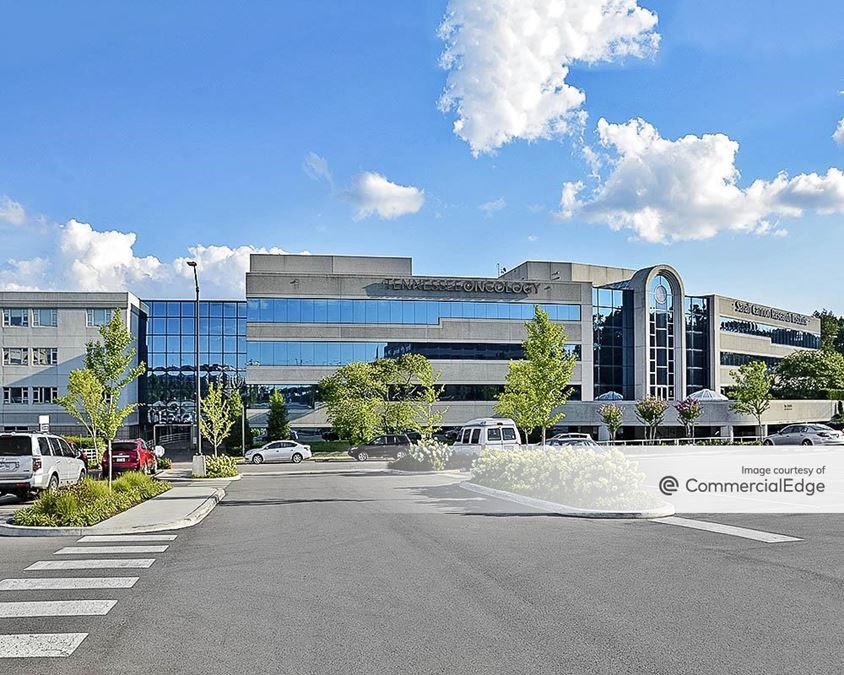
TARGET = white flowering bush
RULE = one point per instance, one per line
(431, 452)
(566, 475)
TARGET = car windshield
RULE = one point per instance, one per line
(12, 446)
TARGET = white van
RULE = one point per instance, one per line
(486, 432)
(32, 462)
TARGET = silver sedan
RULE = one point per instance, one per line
(279, 451)
(805, 434)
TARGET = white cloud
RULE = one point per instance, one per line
(532, 237)
(668, 190)
(85, 259)
(372, 193)
(838, 136)
(492, 206)
(11, 212)
(316, 167)
(508, 60)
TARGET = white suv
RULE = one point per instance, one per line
(30, 462)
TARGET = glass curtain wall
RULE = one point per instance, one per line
(662, 333)
(612, 326)
(697, 344)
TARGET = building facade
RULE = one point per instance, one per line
(633, 333)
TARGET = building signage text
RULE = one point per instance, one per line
(771, 313)
(461, 285)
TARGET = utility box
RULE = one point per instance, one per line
(199, 468)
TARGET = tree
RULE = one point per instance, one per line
(216, 420)
(689, 411)
(278, 422)
(85, 401)
(537, 386)
(110, 362)
(651, 413)
(429, 392)
(240, 430)
(751, 394)
(805, 373)
(612, 416)
(831, 326)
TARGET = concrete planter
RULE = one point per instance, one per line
(199, 467)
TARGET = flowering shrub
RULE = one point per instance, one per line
(612, 416)
(431, 453)
(651, 413)
(688, 412)
(566, 475)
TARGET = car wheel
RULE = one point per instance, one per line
(296, 458)
(767, 441)
(807, 441)
(257, 459)
(401, 454)
(362, 456)
(53, 484)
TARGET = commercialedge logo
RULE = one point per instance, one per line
(668, 485)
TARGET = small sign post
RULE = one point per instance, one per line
(44, 423)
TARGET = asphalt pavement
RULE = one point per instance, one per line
(367, 572)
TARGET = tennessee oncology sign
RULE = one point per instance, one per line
(461, 285)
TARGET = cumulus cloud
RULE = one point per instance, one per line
(372, 194)
(508, 60)
(11, 212)
(492, 206)
(316, 167)
(838, 136)
(82, 258)
(688, 188)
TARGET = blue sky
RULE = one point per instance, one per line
(188, 124)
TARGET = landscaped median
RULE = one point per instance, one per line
(89, 502)
(568, 480)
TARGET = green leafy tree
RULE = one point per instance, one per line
(85, 401)
(689, 411)
(240, 429)
(429, 392)
(612, 416)
(831, 325)
(111, 360)
(216, 420)
(651, 412)
(537, 386)
(278, 421)
(751, 394)
(806, 373)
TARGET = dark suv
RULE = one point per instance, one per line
(393, 446)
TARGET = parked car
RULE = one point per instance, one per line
(32, 462)
(571, 436)
(279, 451)
(805, 434)
(392, 446)
(486, 432)
(134, 455)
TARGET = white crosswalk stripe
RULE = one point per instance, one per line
(106, 538)
(34, 645)
(9, 610)
(66, 583)
(100, 564)
(85, 550)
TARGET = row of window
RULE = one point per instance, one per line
(738, 359)
(27, 395)
(296, 310)
(208, 325)
(23, 317)
(776, 334)
(295, 353)
(187, 308)
(37, 356)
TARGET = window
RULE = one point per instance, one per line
(44, 318)
(98, 317)
(44, 446)
(739, 359)
(776, 334)
(509, 434)
(15, 356)
(44, 395)
(476, 435)
(16, 395)
(66, 450)
(45, 356)
(16, 317)
(493, 434)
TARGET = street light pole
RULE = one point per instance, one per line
(192, 263)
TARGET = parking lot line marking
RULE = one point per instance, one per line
(102, 564)
(732, 530)
(66, 583)
(105, 538)
(30, 645)
(86, 550)
(11, 610)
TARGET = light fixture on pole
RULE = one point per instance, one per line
(198, 437)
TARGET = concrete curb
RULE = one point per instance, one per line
(211, 481)
(562, 509)
(193, 518)
(446, 472)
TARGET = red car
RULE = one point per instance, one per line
(135, 455)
